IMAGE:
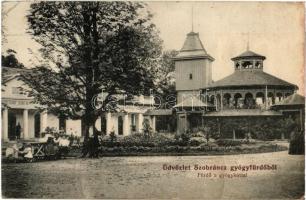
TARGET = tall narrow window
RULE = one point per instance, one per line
(62, 123)
(133, 122)
(190, 76)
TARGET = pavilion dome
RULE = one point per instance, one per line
(249, 54)
(249, 78)
(193, 48)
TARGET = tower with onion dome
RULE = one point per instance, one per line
(192, 67)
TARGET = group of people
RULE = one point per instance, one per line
(16, 152)
(54, 146)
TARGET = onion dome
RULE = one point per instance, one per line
(193, 48)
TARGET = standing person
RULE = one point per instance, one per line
(18, 131)
(63, 146)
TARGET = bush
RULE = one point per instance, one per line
(112, 136)
(228, 142)
(177, 137)
(196, 141)
(198, 134)
(185, 137)
(296, 145)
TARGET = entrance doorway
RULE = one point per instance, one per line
(182, 123)
(11, 126)
(37, 125)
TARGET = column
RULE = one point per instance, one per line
(108, 123)
(266, 98)
(154, 123)
(5, 124)
(43, 121)
(126, 125)
(221, 100)
(186, 123)
(215, 101)
(25, 124)
(140, 121)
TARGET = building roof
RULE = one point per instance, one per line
(10, 73)
(159, 112)
(294, 99)
(192, 48)
(193, 102)
(250, 78)
(249, 54)
(242, 112)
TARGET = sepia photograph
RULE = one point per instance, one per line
(152, 100)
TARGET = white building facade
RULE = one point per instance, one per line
(19, 110)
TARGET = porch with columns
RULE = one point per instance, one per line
(27, 118)
(123, 123)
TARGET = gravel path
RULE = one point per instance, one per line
(144, 177)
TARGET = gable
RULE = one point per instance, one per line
(10, 88)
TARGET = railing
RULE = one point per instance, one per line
(243, 106)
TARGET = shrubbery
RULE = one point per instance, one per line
(297, 143)
(228, 142)
(231, 142)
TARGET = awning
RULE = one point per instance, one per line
(193, 102)
(242, 112)
(294, 99)
(159, 112)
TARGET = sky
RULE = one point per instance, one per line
(273, 29)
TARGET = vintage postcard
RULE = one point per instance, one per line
(152, 100)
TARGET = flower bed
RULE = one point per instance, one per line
(162, 144)
(189, 150)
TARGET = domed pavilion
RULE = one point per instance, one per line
(249, 87)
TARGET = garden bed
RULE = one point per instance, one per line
(191, 150)
(176, 150)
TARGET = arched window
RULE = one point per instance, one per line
(62, 123)
(279, 97)
(226, 99)
(271, 99)
(120, 125)
(249, 101)
(237, 100)
(212, 99)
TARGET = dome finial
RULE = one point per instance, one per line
(192, 18)
(248, 42)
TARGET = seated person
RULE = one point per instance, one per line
(27, 152)
(51, 149)
(12, 152)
